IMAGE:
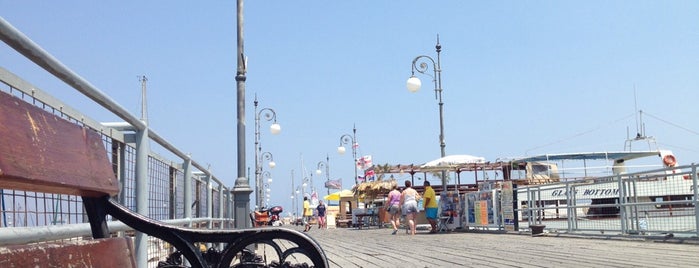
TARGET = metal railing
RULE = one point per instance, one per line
(660, 202)
(179, 191)
(654, 202)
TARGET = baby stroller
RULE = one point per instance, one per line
(266, 216)
(274, 213)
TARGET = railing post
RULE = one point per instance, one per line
(622, 206)
(695, 189)
(187, 187)
(221, 198)
(142, 152)
(119, 151)
(571, 207)
(209, 198)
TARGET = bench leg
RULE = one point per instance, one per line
(95, 209)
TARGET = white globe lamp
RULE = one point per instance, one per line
(413, 84)
(275, 128)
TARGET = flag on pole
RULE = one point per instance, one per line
(364, 162)
(314, 198)
(370, 174)
(334, 184)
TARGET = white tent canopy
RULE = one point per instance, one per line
(451, 162)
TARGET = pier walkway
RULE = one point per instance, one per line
(348, 247)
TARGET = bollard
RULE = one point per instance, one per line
(537, 229)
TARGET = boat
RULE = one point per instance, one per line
(590, 184)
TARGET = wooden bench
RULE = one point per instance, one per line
(40, 152)
(343, 223)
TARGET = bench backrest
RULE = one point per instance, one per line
(41, 152)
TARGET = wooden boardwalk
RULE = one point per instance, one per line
(378, 248)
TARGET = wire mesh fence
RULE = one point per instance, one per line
(165, 196)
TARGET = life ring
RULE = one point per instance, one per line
(669, 160)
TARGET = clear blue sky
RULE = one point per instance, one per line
(519, 77)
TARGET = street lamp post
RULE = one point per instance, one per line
(260, 175)
(304, 183)
(346, 139)
(311, 188)
(293, 197)
(319, 171)
(414, 85)
(241, 189)
(296, 191)
(267, 186)
(269, 115)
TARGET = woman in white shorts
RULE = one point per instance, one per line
(408, 203)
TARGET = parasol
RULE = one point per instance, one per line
(337, 195)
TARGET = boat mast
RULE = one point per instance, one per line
(640, 130)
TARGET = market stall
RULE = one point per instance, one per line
(373, 195)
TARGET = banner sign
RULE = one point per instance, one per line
(334, 184)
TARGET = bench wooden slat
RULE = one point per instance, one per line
(41, 152)
(107, 252)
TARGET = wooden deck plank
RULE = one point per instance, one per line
(349, 247)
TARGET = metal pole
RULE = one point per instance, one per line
(271, 115)
(187, 188)
(322, 164)
(266, 186)
(260, 176)
(354, 155)
(221, 211)
(241, 190)
(327, 171)
(257, 161)
(303, 187)
(354, 158)
(209, 198)
(438, 91)
(695, 188)
(142, 152)
(345, 139)
(437, 78)
(294, 205)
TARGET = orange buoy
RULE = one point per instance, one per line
(669, 160)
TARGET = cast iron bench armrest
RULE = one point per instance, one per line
(237, 240)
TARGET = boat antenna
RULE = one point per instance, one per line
(643, 126)
(640, 128)
(635, 109)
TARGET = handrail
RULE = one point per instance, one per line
(32, 51)
(24, 235)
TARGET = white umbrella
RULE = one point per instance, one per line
(452, 161)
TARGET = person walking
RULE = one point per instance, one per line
(393, 208)
(408, 203)
(321, 215)
(430, 201)
(307, 214)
